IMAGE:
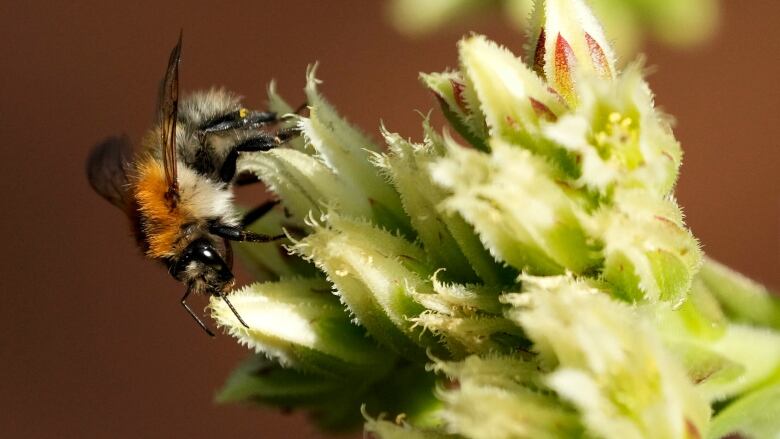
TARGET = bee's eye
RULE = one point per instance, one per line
(205, 253)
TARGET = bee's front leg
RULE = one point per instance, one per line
(259, 143)
(189, 310)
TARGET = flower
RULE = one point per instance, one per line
(534, 278)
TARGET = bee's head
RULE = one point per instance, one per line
(203, 268)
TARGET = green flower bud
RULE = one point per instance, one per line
(448, 239)
(522, 216)
(300, 324)
(512, 97)
(306, 184)
(568, 44)
(373, 272)
(648, 252)
(346, 151)
(466, 117)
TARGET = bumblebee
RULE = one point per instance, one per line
(177, 191)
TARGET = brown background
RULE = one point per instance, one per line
(94, 342)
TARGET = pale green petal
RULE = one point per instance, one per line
(472, 335)
(281, 107)
(459, 300)
(306, 184)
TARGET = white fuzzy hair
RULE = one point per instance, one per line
(206, 198)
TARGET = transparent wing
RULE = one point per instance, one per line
(169, 108)
(107, 170)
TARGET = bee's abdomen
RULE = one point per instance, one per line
(161, 220)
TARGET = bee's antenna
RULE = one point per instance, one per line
(230, 305)
(197, 319)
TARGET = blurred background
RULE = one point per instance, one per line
(93, 340)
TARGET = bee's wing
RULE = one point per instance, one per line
(107, 167)
(169, 108)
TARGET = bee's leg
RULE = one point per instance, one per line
(230, 305)
(244, 119)
(262, 142)
(234, 120)
(237, 234)
(257, 213)
(197, 319)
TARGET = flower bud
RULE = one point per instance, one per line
(450, 242)
(306, 184)
(346, 151)
(466, 117)
(300, 324)
(648, 252)
(568, 43)
(521, 214)
(512, 98)
(373, 273)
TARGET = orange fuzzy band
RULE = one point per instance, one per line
(162, 222)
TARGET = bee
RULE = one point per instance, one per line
(177, 191)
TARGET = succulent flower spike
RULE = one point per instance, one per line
(567, 43)
(538, 281)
